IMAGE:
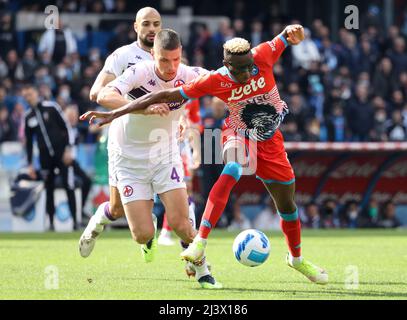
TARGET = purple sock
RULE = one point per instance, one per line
(107, 212)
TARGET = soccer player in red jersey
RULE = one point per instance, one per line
(252, 140)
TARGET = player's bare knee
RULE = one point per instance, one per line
(180, 225)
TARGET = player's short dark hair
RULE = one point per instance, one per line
(168, 39)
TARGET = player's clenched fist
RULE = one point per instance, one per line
(295, 34)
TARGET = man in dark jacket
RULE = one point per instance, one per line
(46, 122)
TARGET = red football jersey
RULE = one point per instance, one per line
(193, 112)
(255, 108)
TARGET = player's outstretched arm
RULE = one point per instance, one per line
(152, 103)
(294, 34)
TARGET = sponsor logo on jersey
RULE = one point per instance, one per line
(253, 86)
(127, 191)
(176, 105)
(179, 83)
(152, 82)
(225, 85)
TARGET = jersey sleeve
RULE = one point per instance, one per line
(114, 64)
(193, 112)
(131, 78)
(201, 86)
(272, 50)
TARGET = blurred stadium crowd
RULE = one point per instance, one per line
(350, 89)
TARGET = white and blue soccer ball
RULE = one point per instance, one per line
(251, 248)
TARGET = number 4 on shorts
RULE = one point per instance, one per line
(174, 175)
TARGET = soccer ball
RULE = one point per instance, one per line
(251, 248)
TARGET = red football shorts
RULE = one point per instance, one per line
(273, 165)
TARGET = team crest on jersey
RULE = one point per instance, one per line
(255, 71)
(179, 83)
(127, 191)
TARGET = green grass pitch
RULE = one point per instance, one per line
(115, 269)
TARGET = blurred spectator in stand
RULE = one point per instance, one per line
(367, 58)
(300, 112)
(396, 129)
(45, 60)
(370, 214)
(58, 43)
(329, 56)
(384, 79)
(18, 119)
(3, 68)
(312, 130)
(45, 92)
(350, 54)
(336, 128)
(120, 37)
(329, 214)
(379, 130)
(97, 6)
(313, 217)
(120, 6)
(257, 35)
(360, 115)
(200, 47)
(315, 87)
(306, 52)
(403, 83)
(8, 36)
(223, 34)
(404, 114)
(43, 76)
(397, 100)
(64, 96)
(398, 55)
(393, 32)
(29, 64)
(351, 216)
(239, 29)
(290, 131)
(12, 65)
(388, 217)
(8, 130)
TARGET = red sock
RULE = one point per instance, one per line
(292, 233)
(218, 197)
(166, 226)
